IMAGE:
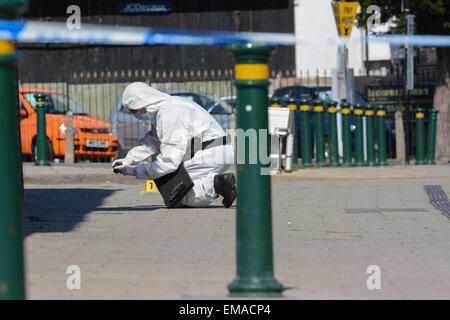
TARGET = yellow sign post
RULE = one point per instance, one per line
(345, 14)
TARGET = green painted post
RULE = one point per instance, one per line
(254, 249)
(420, 136)
(346, 134)
(358, 111)
(41, 135)
(319, 131)
(291, 104)
(305, 133)
(333, 136)
(275, 102)
(432, 136)
(370, 135)
(12, 277)
(381, 128)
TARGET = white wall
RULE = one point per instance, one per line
(314, 18)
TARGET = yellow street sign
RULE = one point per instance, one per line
(345, 14)
(150, 187)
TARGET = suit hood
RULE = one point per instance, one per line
(139, 95)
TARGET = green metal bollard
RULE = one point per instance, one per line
(358, 111)
(254, 249)
(12, 277)
(41, 135)
(319, 131)
(381, 128)
(370, 135)
(420, 136)
(291, 104)
(431, 144)
(275, 102)
(305, 133)
(346, 134)
(332, 126)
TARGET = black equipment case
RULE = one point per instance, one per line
(174, 186)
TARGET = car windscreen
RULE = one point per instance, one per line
(298, 92)
(324, 95)
(55, 103)
(208, 103)
(215, 106)
(281, 92)
(190, 97)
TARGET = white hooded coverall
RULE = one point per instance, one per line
(175, 121)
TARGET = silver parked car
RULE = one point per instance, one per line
(129, 130)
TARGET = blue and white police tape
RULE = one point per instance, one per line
(58, 32)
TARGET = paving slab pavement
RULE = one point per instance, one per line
(329, 226)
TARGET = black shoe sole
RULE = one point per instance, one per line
(227, 202)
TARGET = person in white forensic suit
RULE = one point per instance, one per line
(182, 132)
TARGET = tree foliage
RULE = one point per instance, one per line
(431, 16)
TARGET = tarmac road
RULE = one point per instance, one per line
(329, 226)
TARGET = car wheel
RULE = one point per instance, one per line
(50, 153)
(327, 148)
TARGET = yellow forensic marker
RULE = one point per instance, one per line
(150, 187)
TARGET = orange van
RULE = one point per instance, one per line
(92, 137)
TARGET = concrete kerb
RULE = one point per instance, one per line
(74, 174)
(102, 173)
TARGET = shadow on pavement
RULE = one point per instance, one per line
(151, 207)
(60, 210)
(135, 208)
